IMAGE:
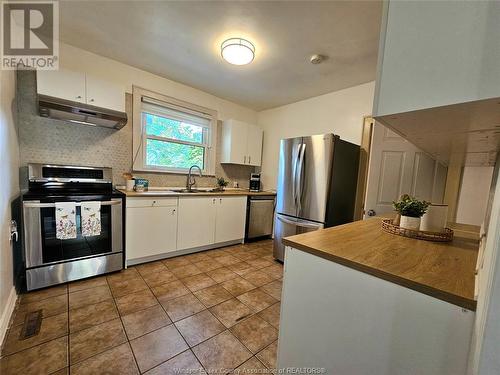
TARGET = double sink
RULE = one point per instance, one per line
(194, 190)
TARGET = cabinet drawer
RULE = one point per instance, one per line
(152, 202)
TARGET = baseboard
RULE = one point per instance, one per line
(7, 313)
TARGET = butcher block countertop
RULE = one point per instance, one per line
(442, 270)
(168, 193)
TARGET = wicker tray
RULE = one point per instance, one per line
(389, 227)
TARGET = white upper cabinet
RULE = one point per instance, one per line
(81, 87)
(241, 143)
(437, 53)
(105, 94)
(64, 84)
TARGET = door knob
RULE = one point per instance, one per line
(371, 213)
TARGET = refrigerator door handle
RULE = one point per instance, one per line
(294, 181)
(300, 173)
(299, 223)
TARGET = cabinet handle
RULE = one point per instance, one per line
(79, 97)
(244, 159)
(91, 100)
(173, 211)
(248, 159)
(213, 201)
(220, 200)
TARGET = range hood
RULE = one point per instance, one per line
(80, 113)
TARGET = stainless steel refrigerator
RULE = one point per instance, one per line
(316, 188)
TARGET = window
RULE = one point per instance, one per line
(173, 137)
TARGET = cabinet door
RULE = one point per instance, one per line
(101, 93)
(63, 84)
(231, 218)
(254, 145)
(150, 231)
(196, 223)
(234, 142)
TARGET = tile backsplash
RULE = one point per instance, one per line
(44, 140)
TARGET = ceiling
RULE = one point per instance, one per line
(180, 40)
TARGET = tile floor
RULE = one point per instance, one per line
(213, 311)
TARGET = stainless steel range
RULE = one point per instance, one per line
(50, 258)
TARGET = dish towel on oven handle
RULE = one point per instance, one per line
(91, 218)
(65, 220)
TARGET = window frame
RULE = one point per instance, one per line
(140, 137)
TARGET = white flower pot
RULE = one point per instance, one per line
(435, 218)
(409, 222)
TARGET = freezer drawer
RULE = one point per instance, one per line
(260, 217)
(285, 226)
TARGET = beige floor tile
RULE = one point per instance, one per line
(272, 315)
(145, 321)
(51, 328)
(185, 361)
(42, 359)
(237, 286)
(259, 262)
(208, 265)
(186, 271)
(199, 327)
(223, 351)
(258, 278)
(252, 366)
(89, 296)
(255, 333)
(120, 288)
(135, 301)
(42, 294)
(182, 307)
(91, 315)
(241, 268)
(87, 284)
(118, 360)
(275, 271)
(171, 290)
(158, 278)
(123, 274)
(257, 300)
(227, 260)
(213, 295)
(152, 267)
(221, 274)
(218, 252)
(231, 312)
(176, 262)
(197, 257)
(198, 282)
(158, 346)
(246, 255)
(273, 289)
(49, 306)
(91, 341)
(63, 371)
(268, 356)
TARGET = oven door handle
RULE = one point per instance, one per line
(78, 204)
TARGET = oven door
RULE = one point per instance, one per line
(43, 248)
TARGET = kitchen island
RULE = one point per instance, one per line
(357, 300)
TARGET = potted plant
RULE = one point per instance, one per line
(221, 183)
(411, 210)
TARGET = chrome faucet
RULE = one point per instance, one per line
(190, 179)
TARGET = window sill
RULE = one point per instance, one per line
(177, 172)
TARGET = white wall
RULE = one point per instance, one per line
(340, 112)
(74, 58)
(473, 196)
(9, 177)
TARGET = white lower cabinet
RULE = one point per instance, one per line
(151, 227)
(230, 218)
(196, 225)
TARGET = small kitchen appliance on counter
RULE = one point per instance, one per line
(67, 244)
(255, 182)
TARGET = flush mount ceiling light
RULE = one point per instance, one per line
(237, 51)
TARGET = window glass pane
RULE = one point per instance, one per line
(166, 127)
(173, 155)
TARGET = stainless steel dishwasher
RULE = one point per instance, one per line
(260, 217)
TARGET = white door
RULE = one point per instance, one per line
(397, 167)
(254, 145)
(101, 93)
(196, 222)
(150, 231)
(64, 84)
(231, 218)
